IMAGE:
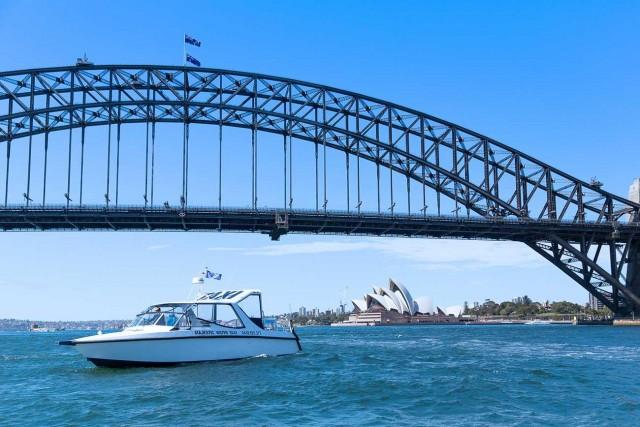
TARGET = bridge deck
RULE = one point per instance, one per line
(297, 221)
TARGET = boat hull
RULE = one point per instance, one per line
(180, 350)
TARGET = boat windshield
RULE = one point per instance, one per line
(161, 315)
(276, 324)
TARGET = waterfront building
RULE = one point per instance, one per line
(395, 305)
(302, 311)
(454, 310)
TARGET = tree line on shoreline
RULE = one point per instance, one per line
(526, 307)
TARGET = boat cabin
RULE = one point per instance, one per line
(227, 309)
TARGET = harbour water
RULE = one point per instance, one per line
(426, 375)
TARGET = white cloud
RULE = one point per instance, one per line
(157, 247)
(436, 267)
(317, 247)
(224, 249)
(427, 254)
(462, 253)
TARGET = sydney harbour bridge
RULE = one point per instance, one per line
(145, 147)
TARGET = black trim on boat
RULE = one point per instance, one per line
(111, 363)
(295, 337)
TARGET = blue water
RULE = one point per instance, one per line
(428, 375)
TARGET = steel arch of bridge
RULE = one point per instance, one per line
(499, 192)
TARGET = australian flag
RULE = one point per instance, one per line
(193, 60)
(211, 275)
(192, 40)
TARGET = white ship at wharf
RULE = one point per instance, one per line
(394, 305)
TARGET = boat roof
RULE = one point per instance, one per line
(228, 296)
(222, 297)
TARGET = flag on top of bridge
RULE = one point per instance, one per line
(193, 60)
(192, 40)
(211, 275)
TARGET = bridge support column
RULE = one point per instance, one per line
(633, 272)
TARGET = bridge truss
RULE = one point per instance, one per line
(432, 178)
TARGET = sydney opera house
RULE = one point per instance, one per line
(394, 305)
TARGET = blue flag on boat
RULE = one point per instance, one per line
(211, 275)
(193, 60)
(192, 40)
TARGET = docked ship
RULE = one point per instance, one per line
(216, 326)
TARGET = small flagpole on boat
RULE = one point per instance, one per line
(198, 286)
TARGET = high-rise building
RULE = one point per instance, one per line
(634, 191)
(302, 311)
(595, 303)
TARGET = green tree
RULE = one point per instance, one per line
(566, 307)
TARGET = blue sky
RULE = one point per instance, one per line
(557, 80)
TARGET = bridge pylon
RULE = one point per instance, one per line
(633, 272)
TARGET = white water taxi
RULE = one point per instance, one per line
(224, 325)
(538, 322)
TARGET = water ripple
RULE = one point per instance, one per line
(432, 375)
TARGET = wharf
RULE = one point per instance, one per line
(593, 322)
(626, 322)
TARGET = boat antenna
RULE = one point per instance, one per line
(197, 289)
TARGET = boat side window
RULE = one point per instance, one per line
(181, 323)
(252, 307)
(203, 314)
(227, 317)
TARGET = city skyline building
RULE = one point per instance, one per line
(595, 303)
(634, 191)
